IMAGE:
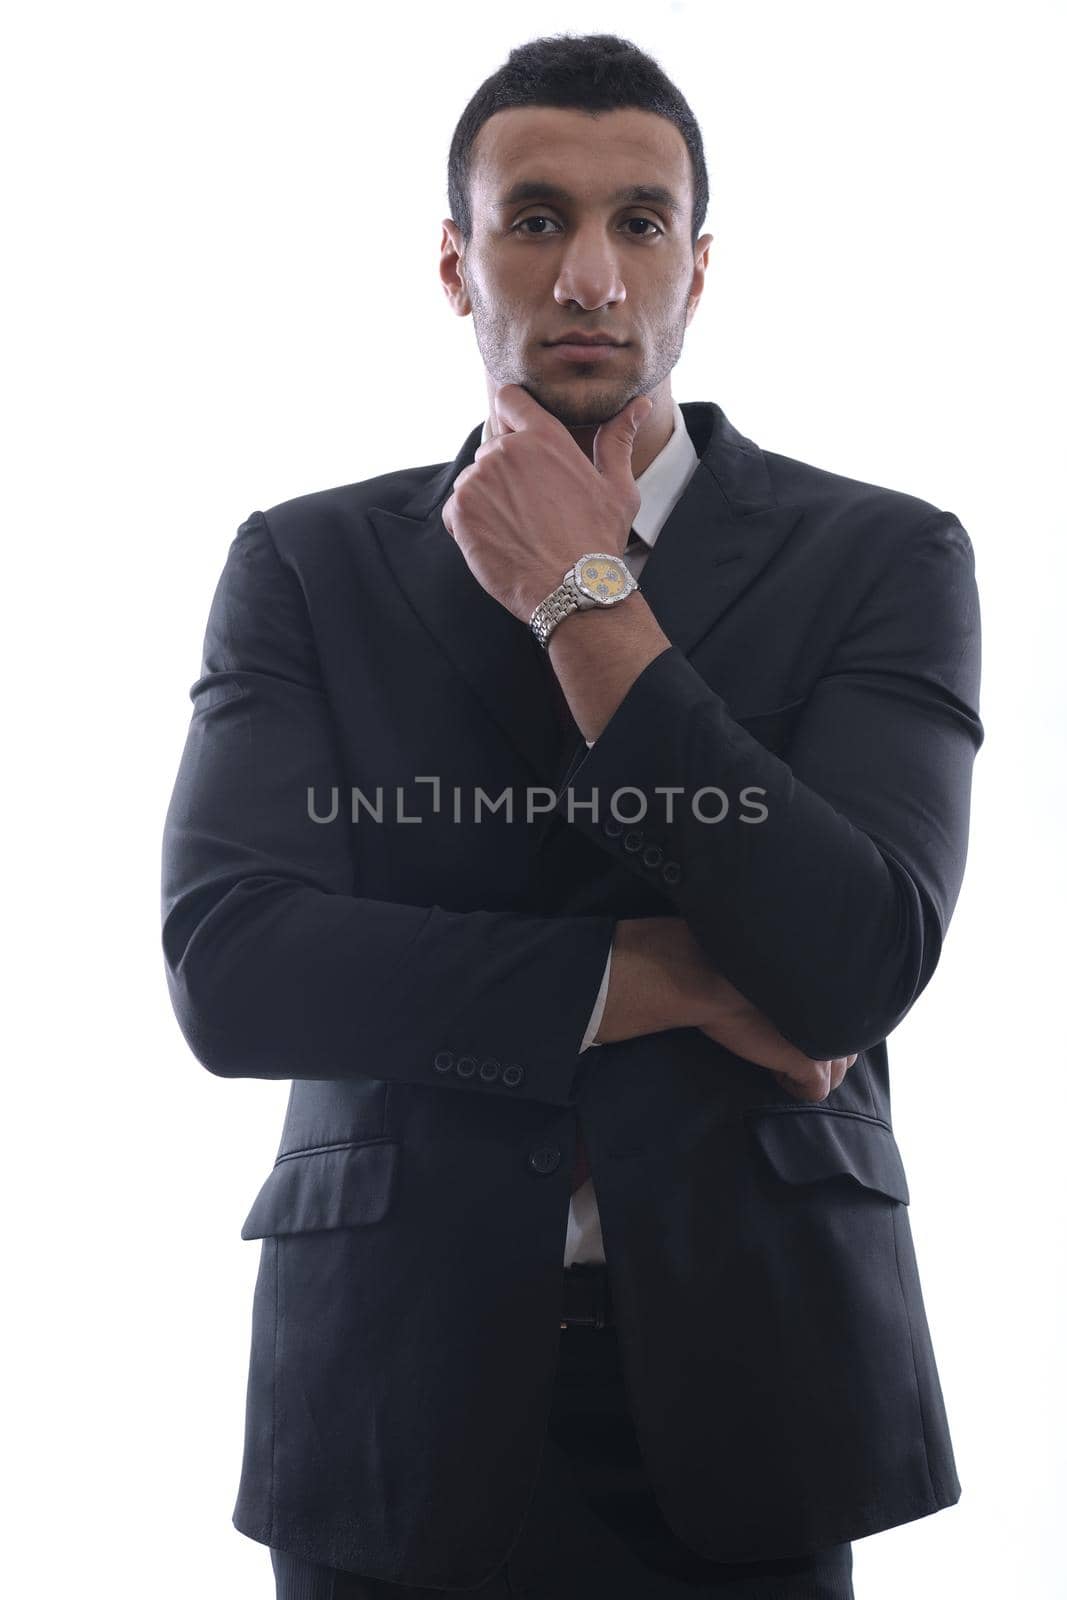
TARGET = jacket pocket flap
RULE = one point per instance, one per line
(804, 1145)
(337, 1186)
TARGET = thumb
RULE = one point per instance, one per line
(613, 441)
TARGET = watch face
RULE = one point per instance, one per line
(604, 578)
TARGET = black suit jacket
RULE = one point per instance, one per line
(425, 985)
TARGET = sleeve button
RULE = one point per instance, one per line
(466, 1066)
(652, 855)
(672, 872)
(489, 1069)
(442, 1061)
(513, 1074)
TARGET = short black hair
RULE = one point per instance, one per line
(584, 72)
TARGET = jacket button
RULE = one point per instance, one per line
(612, 827)
(672, 872)
(633, 840)
(545, 1160)
(466, 1066)
(652, 855)
(489, 1069)
(442, 1061)
(512, 1074)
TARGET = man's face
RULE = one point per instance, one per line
(536, 269)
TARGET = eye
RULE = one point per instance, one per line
(647, 220)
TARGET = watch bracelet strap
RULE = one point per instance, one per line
(562, 601)
(552, 610)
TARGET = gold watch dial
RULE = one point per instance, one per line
(602, 577)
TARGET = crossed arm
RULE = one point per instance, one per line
(826, 920)
(659, 976)
(829, 912)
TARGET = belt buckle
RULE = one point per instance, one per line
(596, 1295)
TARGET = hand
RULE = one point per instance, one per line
(744, 1030)
(532, 502)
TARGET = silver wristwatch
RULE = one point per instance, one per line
(596, 579)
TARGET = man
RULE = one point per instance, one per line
(578, 915)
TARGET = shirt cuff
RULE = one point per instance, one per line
(588, 1039)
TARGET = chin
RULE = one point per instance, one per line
(591, 415)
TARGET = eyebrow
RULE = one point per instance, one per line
(638, 193)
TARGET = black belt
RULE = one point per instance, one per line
(586, 1296)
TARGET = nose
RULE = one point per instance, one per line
(589, 274)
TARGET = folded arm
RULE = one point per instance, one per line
(277, 967)
(829, 913)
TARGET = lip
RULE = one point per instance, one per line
(585, 352)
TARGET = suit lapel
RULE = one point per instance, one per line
(723, 531)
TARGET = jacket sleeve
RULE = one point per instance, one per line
(277, 967)
(829, 910)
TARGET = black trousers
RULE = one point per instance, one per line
(594, 1528)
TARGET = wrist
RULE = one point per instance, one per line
(682, 986)
(594, 581)
(538, 589)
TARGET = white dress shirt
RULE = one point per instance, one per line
(661, 484)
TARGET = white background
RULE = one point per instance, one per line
(222, 291)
